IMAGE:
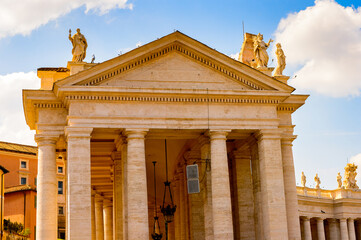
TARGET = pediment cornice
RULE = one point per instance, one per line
(181, 44)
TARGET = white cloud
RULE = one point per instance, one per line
(12, 121)
(23, 16)
(234, 56)
(323, 47)
(357, 160)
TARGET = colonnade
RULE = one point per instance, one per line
(89, 216)
(329, 228)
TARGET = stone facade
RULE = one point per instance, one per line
(109, 121)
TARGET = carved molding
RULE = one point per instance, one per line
(245, 99)
(175, 47)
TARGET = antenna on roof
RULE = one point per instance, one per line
(243, 29)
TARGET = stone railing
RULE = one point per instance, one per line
(329, 194)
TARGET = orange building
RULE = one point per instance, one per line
(20, 186)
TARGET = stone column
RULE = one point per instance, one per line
(99, 217)
(47, 202)
(293, 222)
(343, 229)
(307, 228)
(138, 227)
(108, 219)
(332, 225)
(272, 185)
(93, 215)
(320, 229)
(118, 195)
(221, 195)
(79, 183)
(351, 229)
(208, 224)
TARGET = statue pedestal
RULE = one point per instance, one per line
(266, 70)
(76, 67)
(282, 78)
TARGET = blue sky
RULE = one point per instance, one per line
(322, 42)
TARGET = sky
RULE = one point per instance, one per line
(321, 40)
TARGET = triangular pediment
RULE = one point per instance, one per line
(174, 71)
(175, 61)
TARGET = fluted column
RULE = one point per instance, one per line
(320, 229)
(221, 195)
(351, 229)
(307, 228)
(93, 215)
(118, 195)
(138, 227)
(272, 185)
(79, 183)
(99, 217)
(46, 211)
(343, 229)
(293, 222)
(108, 219)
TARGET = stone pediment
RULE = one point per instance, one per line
(175, 61)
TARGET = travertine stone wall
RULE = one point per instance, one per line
(257, 195)
(244, 188)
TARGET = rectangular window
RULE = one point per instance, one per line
(35, 181)
(23, 164)
(23, 181)
(35, 201)
(61, 210)
(60, 187)
(60, 169)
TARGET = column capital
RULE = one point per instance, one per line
(46, 139)
(107, 203)
(98, 197)
(203, 140)
(218, 134)
(78, 132)
(133, 133)
(320, 218)
(116, 156)
(350, 219)
(268, 134)
(305, 218)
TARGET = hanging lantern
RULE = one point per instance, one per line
(168, 210)
(156, 234)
